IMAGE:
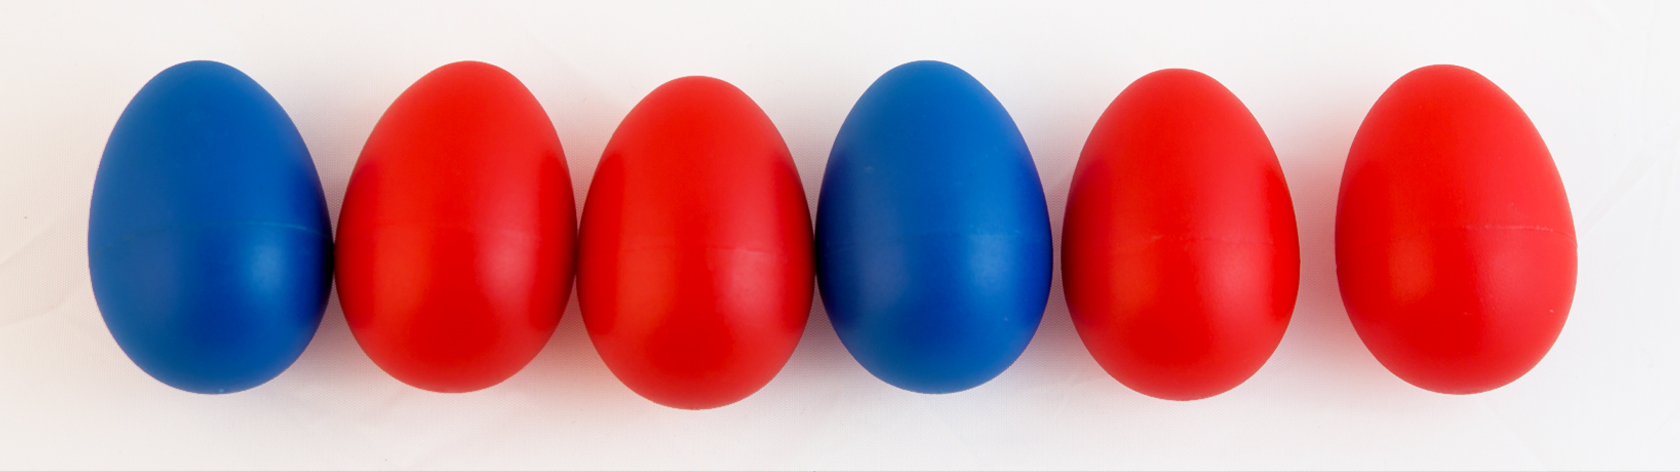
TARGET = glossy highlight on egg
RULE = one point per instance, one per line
(1455, 246)
(1180, 258)
(933, 235)
(209, 244)
(457, 235)
(695, 266)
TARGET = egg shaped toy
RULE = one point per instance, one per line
(933, 237)
(1455, 247)
(456, 236)
(694, 269)
(209, 245)
(1179, 254)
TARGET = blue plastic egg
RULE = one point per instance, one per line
(208, 240)
(933, 238)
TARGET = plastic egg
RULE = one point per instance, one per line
(694, 267)
(208, 240)
(933, 237)
(1179, 254)
(1455, 247)
(456, 237)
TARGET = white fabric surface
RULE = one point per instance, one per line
(1600, 80)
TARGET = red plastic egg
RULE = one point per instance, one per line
(1455, 247)
(455, 241)
(695, 262)
(1179, 253)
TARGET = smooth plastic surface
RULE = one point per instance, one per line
(933, 237)
(456, 237)
(1455, 247)
(1179, 254)
(208, 240)
(695, 254)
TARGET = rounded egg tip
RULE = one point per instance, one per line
(1442, 74)
(927, 68)
(198, 73)
(1177, 73)
(470, 71)
(697, 84)
(1181, 80)
(199, 65)
(471, 66)
(927, 64)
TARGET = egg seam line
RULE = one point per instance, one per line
(1544, 229)
(145, 234)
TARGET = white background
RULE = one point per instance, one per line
(1600, 80)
